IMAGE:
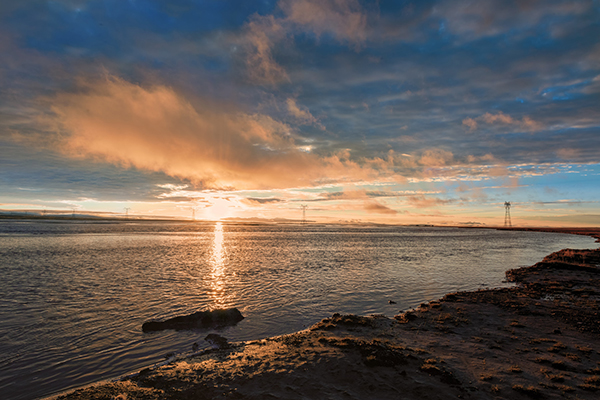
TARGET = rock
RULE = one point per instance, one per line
(197, 320)
(217, 341)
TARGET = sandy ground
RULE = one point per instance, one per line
(540, 339)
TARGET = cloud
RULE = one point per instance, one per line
(568, 153)
(156, 129)
(210, 144)
(470, 123)
(262, 200)
(425, 202)
(492, 17)
(373, 206)
(260, 36)
(530, 124)
(436, 158)
(500, 118)
(302, 114)
(344, 19)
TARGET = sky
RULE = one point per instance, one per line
(396, 112)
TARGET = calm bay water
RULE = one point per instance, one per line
(74, 295)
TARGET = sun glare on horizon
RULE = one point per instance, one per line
(219, 209)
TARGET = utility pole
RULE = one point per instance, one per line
(507, 221)
(304, 207)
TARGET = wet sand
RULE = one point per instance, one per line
(540, 339)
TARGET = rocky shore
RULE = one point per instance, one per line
(539, 339)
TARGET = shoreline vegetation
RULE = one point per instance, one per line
(539, 339)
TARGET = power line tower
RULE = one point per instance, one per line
(304, 207)
(127, 212)
(507, 222)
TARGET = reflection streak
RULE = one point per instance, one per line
(217, 261)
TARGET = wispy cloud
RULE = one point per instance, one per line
(260, 36)
(344, 19)
(499, 118)
(302, 114)
(422, 201)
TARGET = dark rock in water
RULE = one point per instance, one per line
(217, 340)
(391, 302)
(197, 320)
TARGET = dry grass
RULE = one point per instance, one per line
(572, 356)
(552, 377)
(515, 369)
(593, 380)
(557, 347)
(588, 387)
(530, 391)
(584, 349)
(486, 377)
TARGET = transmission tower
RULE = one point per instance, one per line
(304, 207)
(507, 222)
(127, 212)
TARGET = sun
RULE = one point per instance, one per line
(219, 208)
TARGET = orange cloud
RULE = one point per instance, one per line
(436, 158)
(470, 123)
(425, 202)
(500, 118)
(373, 206)
(525, 123)
(212, 145)
(486, 157)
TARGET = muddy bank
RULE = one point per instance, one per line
(540, 339)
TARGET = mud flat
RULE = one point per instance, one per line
(539, 339)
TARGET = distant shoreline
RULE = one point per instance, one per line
(585, 231)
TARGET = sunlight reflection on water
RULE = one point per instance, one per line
(217, 272)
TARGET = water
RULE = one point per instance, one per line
(74, 295)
